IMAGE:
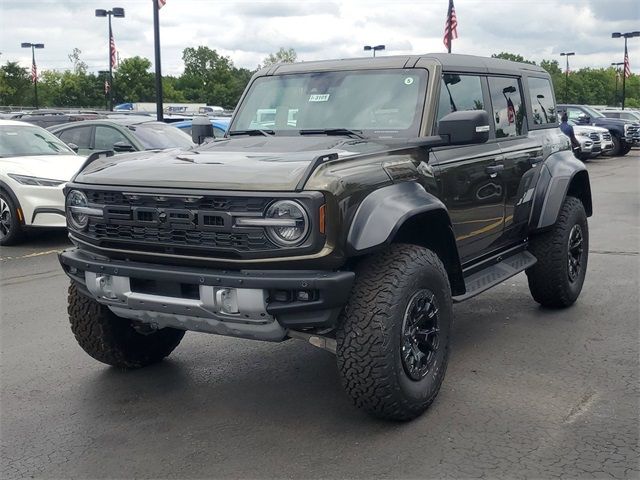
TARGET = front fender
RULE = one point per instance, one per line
(560, 175)
(383, 212)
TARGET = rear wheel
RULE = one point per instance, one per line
(557, 277)
(11, 231)
(113, 340)
(393, 337)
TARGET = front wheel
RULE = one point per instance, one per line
(393, 336)
(11, 231)
(557, 277)
(113, 340)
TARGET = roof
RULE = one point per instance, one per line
(126, 121)
(16, 123)
(452, 62)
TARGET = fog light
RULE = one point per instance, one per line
(304, 296)
(227, 300)
(105, 286)
(282, 296)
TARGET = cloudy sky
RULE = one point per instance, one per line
(247, 31)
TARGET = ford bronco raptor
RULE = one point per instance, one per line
(351, 203)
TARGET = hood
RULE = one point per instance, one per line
(243, 163)
(55, 167)
(604, 121)
(589, 129)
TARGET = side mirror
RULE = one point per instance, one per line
(201, 128)
(464, 127)
(73, 147)
(584, 119)
(123, 147)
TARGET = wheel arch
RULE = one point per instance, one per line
(404, 213)
(5, 188)
(561, 175)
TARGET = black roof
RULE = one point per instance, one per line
(452, 62)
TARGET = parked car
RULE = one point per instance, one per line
(407, 183)
(220, 126)
(34, 166)
(49, 118)
(124, 134)
(594, 141)
(624, 114)
(624, 133)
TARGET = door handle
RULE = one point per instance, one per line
(493, 170)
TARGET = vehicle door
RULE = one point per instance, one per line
(110, 138)
(81, 136)
(468, 177)
(521, 150)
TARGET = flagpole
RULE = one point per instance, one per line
(110, 67)
(34, 73)
(156, 36)
(624, 70)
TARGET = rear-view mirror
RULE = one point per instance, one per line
(73, 147)
(123, 147)
(464, 127)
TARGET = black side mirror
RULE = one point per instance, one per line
(584, 119)
(201, 128)
(123, 147)
(73, 147)
(464, 127)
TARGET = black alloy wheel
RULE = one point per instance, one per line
(420, 329)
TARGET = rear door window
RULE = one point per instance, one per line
(543, 109)
(508, 109)
(107, 137)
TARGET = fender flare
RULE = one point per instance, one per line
(384, 212)
(560, 175)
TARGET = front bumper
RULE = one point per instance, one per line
(265, 304)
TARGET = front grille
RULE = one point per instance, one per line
(189, 224)
(594, 136)
(606, 137)
(633, 131)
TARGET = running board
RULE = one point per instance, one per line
(494, 274)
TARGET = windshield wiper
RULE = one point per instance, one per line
(266, 133)
(332, 131)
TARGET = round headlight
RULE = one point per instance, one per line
(294, 219)
(76, 200)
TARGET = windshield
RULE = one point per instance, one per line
(378, 103)
(22, 140)
(159, 135)
(593, 113)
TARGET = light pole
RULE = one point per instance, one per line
(566, 77)
(617, 65)
(104, 74)
(118, 13)
(626, 57)
(34, 69)
(374, 49)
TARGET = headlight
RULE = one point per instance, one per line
(36, 181)
(76, 208)
(582, 134)
(293, 219)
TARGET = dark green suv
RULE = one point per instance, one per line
(351, 203)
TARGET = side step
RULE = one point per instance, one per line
(492, 275)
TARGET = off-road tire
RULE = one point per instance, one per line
(617, 146)
(370, 332)
(113, 340)
(8, 211)
(626, 148)
(549, 279)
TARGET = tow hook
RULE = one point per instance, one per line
(320, 341)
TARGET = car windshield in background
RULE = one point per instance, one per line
(21, 141)
(377, 103)
(593, 113)
(159, 135)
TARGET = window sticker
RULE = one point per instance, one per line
(319, 98)
(408, 81)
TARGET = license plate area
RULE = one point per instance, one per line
(165, 288)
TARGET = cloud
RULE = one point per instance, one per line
(247, 31)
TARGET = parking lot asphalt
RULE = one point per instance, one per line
(529, 392)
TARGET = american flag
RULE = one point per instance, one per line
(451, 27)
(627, 67)
(106, 87)
(112, 50)
(161, 3)
(34, 72)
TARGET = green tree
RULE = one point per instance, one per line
(133, 82)
(15, 85)
(281, 56)
(514, 57)
(208, 77)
